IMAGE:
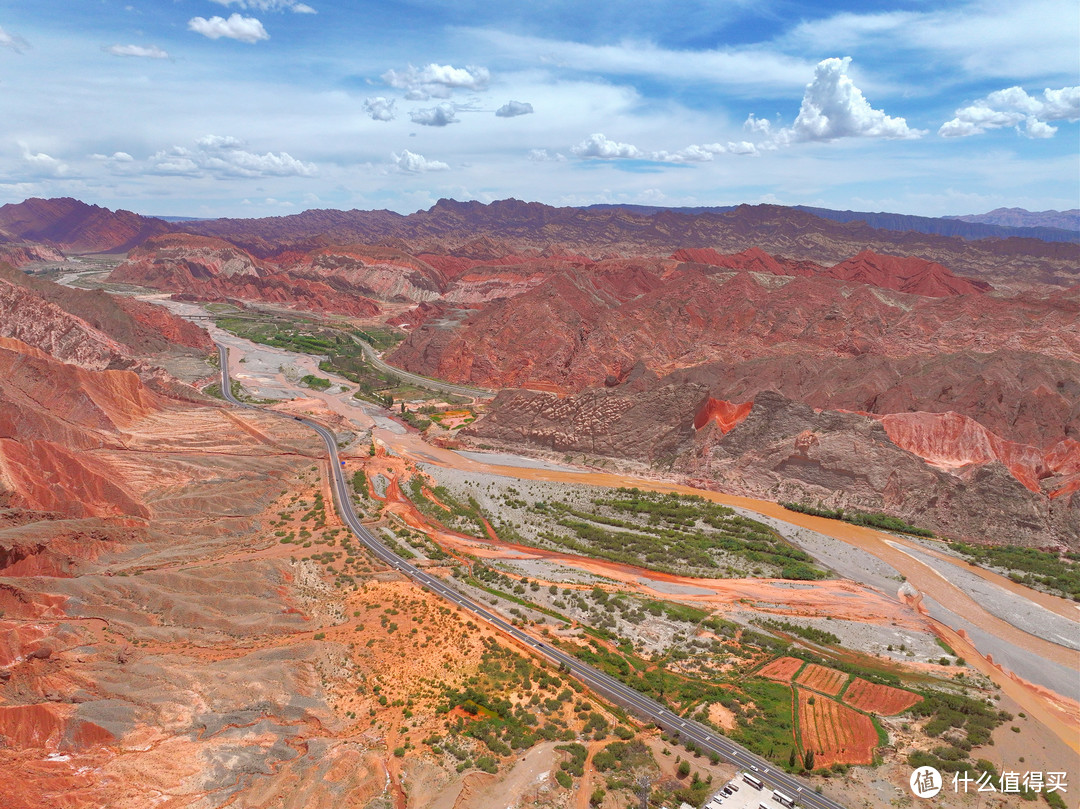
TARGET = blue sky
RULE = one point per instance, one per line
(269, 107)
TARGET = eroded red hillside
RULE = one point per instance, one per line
(213, 269)
(74, 226)
(910, 274)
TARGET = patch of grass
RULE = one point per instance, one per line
(315, 382)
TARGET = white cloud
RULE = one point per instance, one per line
(379, 108)
(12, 41)
(437, 81)
(544, 156)
(753, 70)
(600, 146)
(1014, 107)
(983, 38)
(223, 156)
(759, 126)
(705, 152)
(44, 164)
(412, 163)
(244, 29)
(219, 142)
(150, 52)
(120, 164)
(269, 5)
(119, 157)
(832, 108)
(512, 109)
(440, 115)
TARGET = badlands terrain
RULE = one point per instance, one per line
(187, 622)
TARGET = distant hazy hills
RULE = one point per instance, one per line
(1020, 218)
(1003, 223)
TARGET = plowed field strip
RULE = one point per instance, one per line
(879, 699)
(823, 679)
(835, 732)
(782, 669)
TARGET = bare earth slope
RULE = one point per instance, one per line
(134, 670)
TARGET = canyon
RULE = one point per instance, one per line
(164, 639)
(964, 353)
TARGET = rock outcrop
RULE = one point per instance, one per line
(939, 471)
(213, 269)
(1013, 363)
(94, 330)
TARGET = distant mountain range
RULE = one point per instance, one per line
(1020, 218)
(514, 226)
(1003, 223)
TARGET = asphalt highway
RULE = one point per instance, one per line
(705, 739)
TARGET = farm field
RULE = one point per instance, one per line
(835, 732)
(823, 679)
(879, 699)
(782, 669)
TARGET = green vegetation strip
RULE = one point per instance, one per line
(1029, 566)
(807, 632)
(672, 533)
(875, 520)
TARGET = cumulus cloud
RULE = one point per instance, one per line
(437, 81)
(512, 109)
(705, 152)
(832, 108)
(441, 114)
(270, 5)
(145, 52)
(42, 163)
(759, 126)
(225, 156)
(119, 163)
(544, 156)
(244, 29)
(379, 108)
(600, 146)
(1014, 107)
(12, 41)
(119, 157)
(412, 163)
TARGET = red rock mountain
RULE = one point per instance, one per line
(940, 471)
(91, 329)
(692, 315)
(48, 458)
(909, 274)
(213, 269)
(74, 226)
(512, 226)
(518, 227)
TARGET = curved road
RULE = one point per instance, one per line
(704, 738)
(416, 379)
